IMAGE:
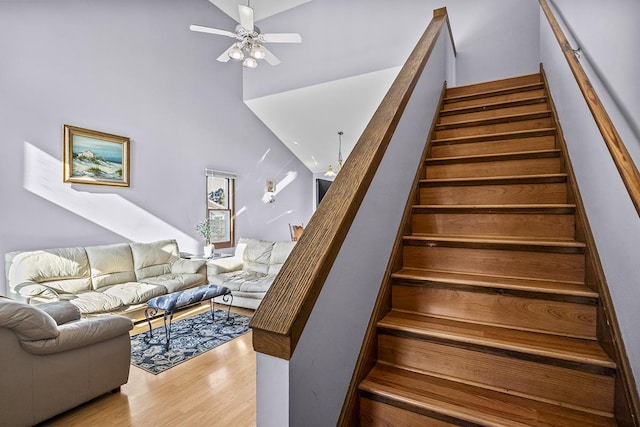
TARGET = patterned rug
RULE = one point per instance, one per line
(189, 338)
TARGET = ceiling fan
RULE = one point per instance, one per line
(249, 46)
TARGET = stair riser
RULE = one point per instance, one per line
(495, 168)
(535, 265)
(448, 105)
(557, 317)
(560, 226)
(515, 376)
(506, 194)
(536, 107)
(493, 147)
(518, 125)
(378, 414)
(494, 85)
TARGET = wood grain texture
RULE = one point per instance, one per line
(367, 358)
(627, 398)
(473, 405)
(379, 414)
(484, 222)
(508, 194)
(575, 388)
(527, 314)
(463, 148)
(514, 94)
(564, 351)
(498, 109)
(508, 84)
(621, 157)
(288, 303)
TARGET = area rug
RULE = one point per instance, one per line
(189, 338)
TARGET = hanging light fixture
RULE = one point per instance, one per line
(330, 171)
(236, 52)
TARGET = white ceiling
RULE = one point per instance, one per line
(308, 119)
(261, 8)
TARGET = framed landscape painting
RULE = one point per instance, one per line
(92, 157)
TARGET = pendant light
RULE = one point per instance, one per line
(330, 171)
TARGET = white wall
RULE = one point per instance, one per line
(130, 68)
(494, 39)
(322, 364)
(613, 219)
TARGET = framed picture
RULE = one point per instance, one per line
(220, 223)
(217, 192)
(92, 157)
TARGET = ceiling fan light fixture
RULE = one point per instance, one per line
(250, 62)
(258, 52)
(236, 52)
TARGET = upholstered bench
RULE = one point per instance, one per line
(170, 303)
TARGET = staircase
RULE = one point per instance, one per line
(491, 322)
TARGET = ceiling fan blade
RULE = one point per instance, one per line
(246, 17)
(208, 30)
(282, 38)
(270, 58)
(225, 55)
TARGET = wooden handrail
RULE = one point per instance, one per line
(623, 161)
(281, 317)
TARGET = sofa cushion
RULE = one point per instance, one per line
(97, 302)
(27, 321)
(63, 269)
(248, 281)
(279, 255)
(61, 311)
(256, 256)
(176, 282)
(110, 264)
(134, 293)
(187, 265)
(155, 258)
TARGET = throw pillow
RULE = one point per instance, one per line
(187, 265)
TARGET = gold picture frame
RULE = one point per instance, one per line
(92, 157)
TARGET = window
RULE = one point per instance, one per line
(220, 207)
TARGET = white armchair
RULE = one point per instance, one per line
(53, 361)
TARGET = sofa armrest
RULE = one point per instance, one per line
(81, 333)
(224, 265)
(61, 311)
(30, 289)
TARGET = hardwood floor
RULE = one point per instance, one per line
(216, 388)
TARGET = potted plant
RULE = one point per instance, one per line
(204, 228)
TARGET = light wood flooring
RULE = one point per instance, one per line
(217, 388)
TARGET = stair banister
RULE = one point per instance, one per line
(281, 317)
(621, 157)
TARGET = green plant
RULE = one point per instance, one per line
(204, 228)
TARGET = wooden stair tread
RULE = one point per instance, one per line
(489, 180)
(576, 289)
(575, 350)
(428, 394)
(551, 208)
(495, 136)
(491, 242)
(494, 106)
(493, 92)
(534, 154)
(501, 83)
(495, 120)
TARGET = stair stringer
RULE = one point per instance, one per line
(626, 399)
(369, 352)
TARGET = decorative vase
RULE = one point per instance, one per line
(208, 250)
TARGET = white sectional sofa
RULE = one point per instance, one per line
(102, 279)
(250, 271)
